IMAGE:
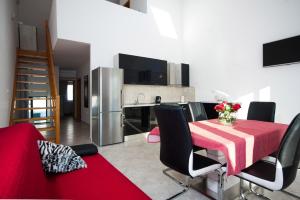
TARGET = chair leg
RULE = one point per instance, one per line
(251, 190)
(242, 194)
(254, 192)
(186, 187)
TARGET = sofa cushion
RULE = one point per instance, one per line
(58, 158)
(85, 149)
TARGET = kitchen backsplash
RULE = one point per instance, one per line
(147, 93)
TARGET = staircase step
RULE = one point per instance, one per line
(31, 74)
(47, 129)
(31, 99)
(33, 68)
(36, 108)
(33, 82)
(32, 119)
(48, 137)
(51, 139)
(32, 54)
(32, 62)
(31, 90)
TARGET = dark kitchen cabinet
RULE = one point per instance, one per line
(138, 120)
(142, 119)
(185, 75)
(143, 71)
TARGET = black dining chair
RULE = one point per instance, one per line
(277, 175)
(262, 111)
(176, 147)
(197, 111)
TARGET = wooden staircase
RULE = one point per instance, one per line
(35, 83)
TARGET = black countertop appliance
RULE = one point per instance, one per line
(157, 99)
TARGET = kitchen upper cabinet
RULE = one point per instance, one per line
(178, 74)
(185, 75)
(143, 71)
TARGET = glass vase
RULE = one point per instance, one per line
(227, 118)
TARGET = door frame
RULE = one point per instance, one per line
(77, 99)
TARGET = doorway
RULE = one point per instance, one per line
(66, 92)
(73, 130)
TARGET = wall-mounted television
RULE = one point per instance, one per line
(286, 51)
(143, 71)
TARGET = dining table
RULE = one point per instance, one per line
(242, 143)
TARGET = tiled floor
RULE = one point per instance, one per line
(73, 132)
(139, 161)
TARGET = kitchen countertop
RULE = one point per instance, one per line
(149, 104)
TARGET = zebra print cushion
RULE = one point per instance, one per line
(57, 158)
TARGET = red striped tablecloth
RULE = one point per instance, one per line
(244, 143)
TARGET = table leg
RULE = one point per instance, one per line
(242, 194)
(221, 174)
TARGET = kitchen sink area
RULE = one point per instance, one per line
(140, 118)
(139, 102)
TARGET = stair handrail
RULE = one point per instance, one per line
(50, 61)
(52, 81)
(13, 102)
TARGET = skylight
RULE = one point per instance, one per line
(164, 23)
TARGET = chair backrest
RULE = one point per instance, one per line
(289, 152)
(185, 108)
(175, 137)
(262, 111)
(197, 111)
(210, 110)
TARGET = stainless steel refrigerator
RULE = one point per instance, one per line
(107, 118)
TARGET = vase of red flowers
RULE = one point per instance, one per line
(227, 112)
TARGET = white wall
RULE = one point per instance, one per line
(223, 44)
(220, 39)
(113, 29)
(7, 58)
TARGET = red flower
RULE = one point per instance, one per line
(219, 107)
(236, 107)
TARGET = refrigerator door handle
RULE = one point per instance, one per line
(121, 120)
(121, 98)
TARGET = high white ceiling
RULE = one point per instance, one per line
(71, 54)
